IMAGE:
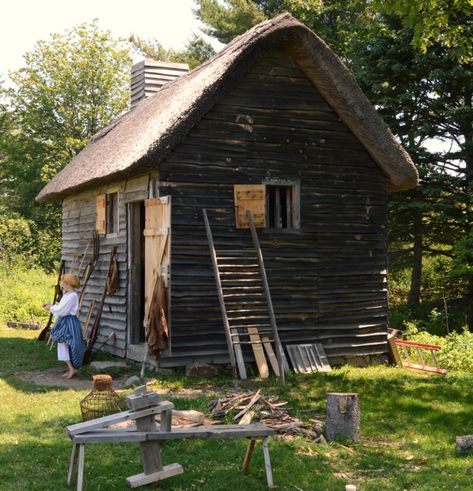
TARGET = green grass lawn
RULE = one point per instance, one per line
(408, 424)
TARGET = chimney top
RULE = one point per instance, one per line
(148, 76)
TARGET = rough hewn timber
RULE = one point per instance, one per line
(328, 279)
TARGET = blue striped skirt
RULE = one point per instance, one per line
(67, 330)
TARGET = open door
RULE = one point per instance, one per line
(136, 309)
(157, 248)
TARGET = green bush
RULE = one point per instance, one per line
(26, 243)
(23, 290)
(15, 238)
(457, 348)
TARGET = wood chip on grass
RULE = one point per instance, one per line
(269, 410)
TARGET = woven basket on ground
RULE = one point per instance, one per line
(102, 400)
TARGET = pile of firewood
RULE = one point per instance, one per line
(249, 407)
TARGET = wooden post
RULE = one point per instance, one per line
(248, 455)
(153, 469)
(80, 472)
(393, 351)
(267, 462)
(150, 451)
(73, 464)
(343, 416)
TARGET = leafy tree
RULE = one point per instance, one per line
(339, 23)
(229, 19)
(196, 52)
(71, 86)
(150, 48)
(437, 23)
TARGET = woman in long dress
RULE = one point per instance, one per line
(67, 329)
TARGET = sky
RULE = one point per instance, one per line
(23, 22)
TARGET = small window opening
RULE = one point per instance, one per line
(112, 213)
(280, 206)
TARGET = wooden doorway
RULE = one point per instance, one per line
(137, 273)
(157, 233)
(149, 260)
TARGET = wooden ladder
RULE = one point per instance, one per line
(246, 305)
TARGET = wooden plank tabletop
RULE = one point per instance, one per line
(204, 432)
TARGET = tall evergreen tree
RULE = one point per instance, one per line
(422, 97)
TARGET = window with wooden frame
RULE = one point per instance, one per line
(274, 205)
(107, 214)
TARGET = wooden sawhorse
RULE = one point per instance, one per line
(143, 409)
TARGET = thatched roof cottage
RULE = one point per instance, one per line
(277, 115)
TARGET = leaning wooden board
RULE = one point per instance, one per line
(258, 352)
(308, 358)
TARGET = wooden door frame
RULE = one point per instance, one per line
(131, 311)
(132, 314)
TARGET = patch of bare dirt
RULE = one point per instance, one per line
(52, 378)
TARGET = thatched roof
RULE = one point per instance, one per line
(142, 137)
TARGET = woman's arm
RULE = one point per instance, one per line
(64, 307)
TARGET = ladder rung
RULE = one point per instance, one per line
(239, 266)
(246, 326)
(247, 288)
(250, 342)
(240, 311)
(235, 252)
(239, 274)
(243, 295)
(250, 318)
(245, 304)
(241, 280)
(247, 334)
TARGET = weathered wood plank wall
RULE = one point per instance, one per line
(79, 213)
(328, 280)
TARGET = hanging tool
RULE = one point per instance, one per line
(110, 337)
(89, 268)
(57, 298)
(93, 333)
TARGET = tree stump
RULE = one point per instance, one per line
(343, 416)
(464, 443)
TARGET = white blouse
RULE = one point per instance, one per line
(69, 305)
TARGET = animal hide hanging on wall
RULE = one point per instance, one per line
(158, 332)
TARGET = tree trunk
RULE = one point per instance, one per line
(468, 152)
(343, 416)
(469, 306)
(464, 443)
(416, 277)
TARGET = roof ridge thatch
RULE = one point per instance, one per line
(142, 137)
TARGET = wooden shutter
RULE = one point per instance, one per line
(250, 197)
(157, 246)
(101, 213)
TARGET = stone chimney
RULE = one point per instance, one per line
(148, 76)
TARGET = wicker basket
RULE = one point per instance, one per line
(102, 400)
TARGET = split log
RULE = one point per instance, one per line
(464, 443)
(343, 416)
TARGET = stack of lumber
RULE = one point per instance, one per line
(254, 407)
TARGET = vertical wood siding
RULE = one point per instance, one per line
(328, 279)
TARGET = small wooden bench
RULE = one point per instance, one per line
(143, 410)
